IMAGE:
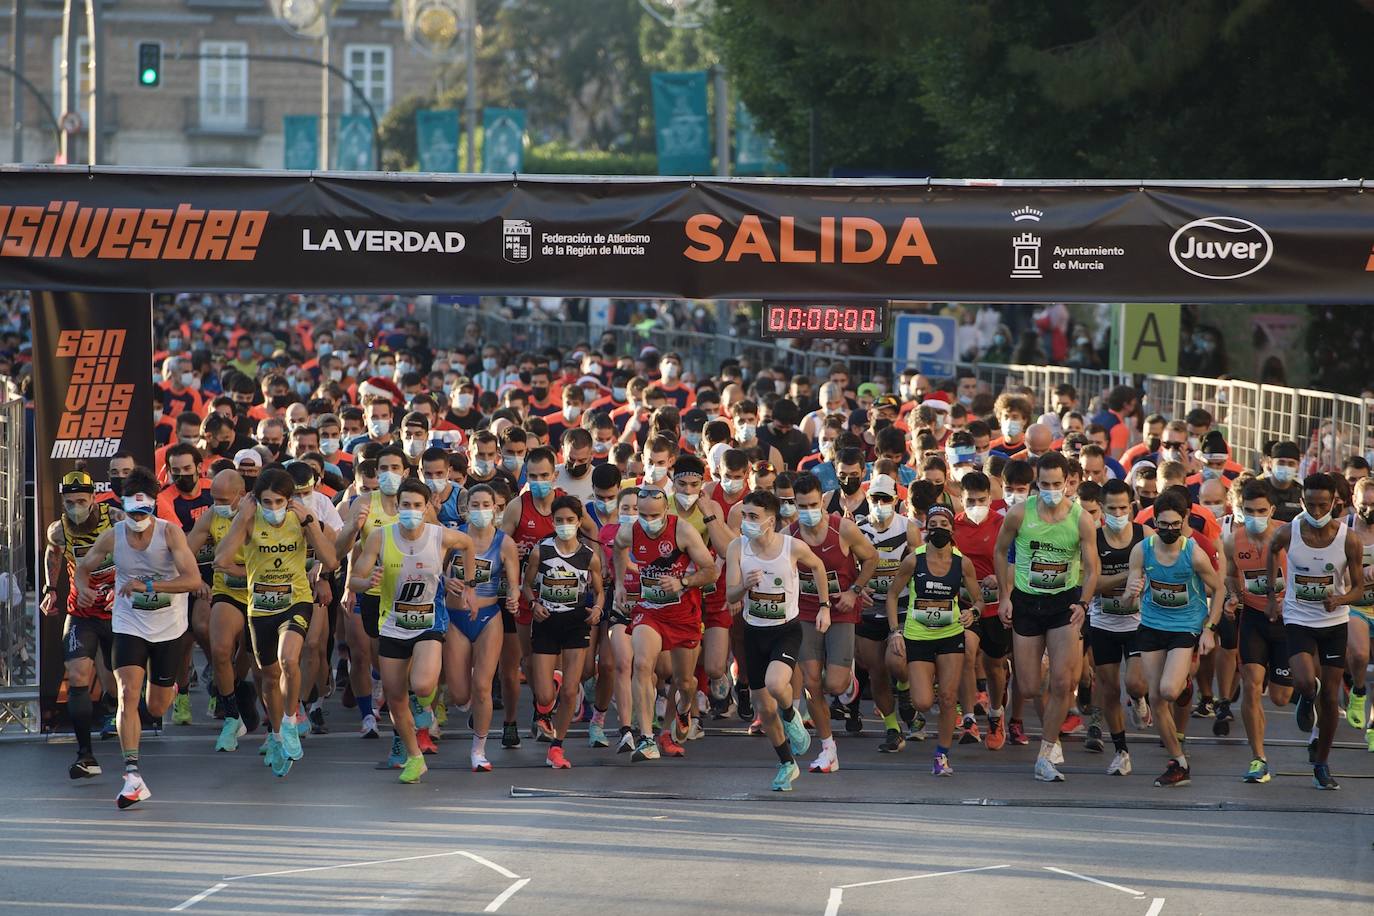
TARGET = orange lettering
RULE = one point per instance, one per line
(827, 240)
(850, 227)
(123, 221)
(22, 232)
(214, 238)
(67, 343)
(911, 242)
(750, 239)
(699, 230)
(787, 252)
(247, 234)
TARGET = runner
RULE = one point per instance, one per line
(761, 575)
(1113, 624)
(933, 634)
(827, 655)
(1324, 554)
(668, 615)
(1055, 565)
(975, 536)
(1264, 652)
(1180, 596)
(155, 572)
(405, 562)
(275, 530)
(1362, 612)
(893, 537)
(562, 586)
(87, 629)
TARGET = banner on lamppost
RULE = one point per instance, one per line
(301, 142)
(681, 126)
(353, 144)
(436, 139)
(755, 152)
(503, 139)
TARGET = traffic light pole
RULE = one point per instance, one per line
(96, 37)
(17, 66)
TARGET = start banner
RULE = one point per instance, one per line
(120, 230)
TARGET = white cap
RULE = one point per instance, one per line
(249, 455)
(882, 483)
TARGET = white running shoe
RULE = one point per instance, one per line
(826, 762)
(1057, 754)
(1121, 764)
(134, 791)
(369, 728)
(696, 732)
(1045, 771)
(480, 764)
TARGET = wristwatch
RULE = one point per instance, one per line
(707, 519)
(856, 588)
(309, 520)
(1214, 626)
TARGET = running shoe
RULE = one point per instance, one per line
(543, 729)
(596, 736)
(282, 765)
(181, 709)
(1355, 711)
(1205, 709)
(1057, 754)
(192, 679)
(369, 727)
(1306, 711)
(787, 774)
(1121, 764)
(440, 712)
(1258, 772)
(270, 751)
(557, 760)
(510, 735)
(682, 725)
(916, 728)
(1369, 739)
(645, 750)
(480, 763)
(940, 766)
(1046, 772)
(744, 706)
(133, 792)
(108, 728)
(1072, 723)
(695, 732)
(1221, 727)
(854, 720)
(1016, 733)
(378, 695)
(414, 768)
(756, 726)
(423, 717)
(669, 746)
(1141, 716)
(85, 766)
(229, 734)
(893, 742)
(797, 736)
(212, 707)
(906, 710)
(397, 758)
(827, 762)
(981, 703)
(1322, 778)
(302, 723)
(426, 742)
(997, 735)
(316, 717)
(1093, 742)
(837, 712)
(290, 739)
(1312, 747)
(1174, 776)
(627, 743)
(969, 733)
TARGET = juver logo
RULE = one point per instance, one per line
(1221, 247)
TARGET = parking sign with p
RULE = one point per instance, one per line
(926, 342)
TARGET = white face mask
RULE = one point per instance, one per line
(687, 500)
(572, 413)
(655, 474)
(671, 370)
(464, 401)
(977, 514)
(139, 524)
(379, 428)
(415, 447)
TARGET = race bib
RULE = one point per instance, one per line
(1313, 588)
(413, 616)
(1048, 575)
(1257, 583)
(235, 582)
(807, 583)
(142, 601)
(766, 605)
(933, 615)
(270, 598)
(1115, 603)
(561, 590)
(1169, 595)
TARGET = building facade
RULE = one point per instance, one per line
(215, 110)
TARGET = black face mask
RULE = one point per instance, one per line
(850, 486)
(276, 448)
(224, 449)
(1169, 537)
(577, 470)
(117, 486)
(939, 538)
(1366, 515)
(184, 482)
(1153, 443)
(539, 394)
(524, 378)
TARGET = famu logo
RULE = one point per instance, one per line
(1221, 247)
(829, 240)
(95, 410)
(66, 229)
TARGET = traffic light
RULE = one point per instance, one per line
(149, 64)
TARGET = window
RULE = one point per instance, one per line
(82, 73)
(370, 67)
(223, 85)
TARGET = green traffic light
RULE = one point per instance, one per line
(149, 76)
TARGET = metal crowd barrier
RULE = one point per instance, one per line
(18, 611)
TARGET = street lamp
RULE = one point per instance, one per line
(310, 19)
(434, 27)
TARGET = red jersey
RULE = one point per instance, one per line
(607, 538)
(978, 543)
(840, 573)
(657, 557)
(532, 528)
(182, 510)
(723, 502)
(1252, 569)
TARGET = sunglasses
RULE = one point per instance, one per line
(651, 492)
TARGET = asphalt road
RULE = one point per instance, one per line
(221, 835)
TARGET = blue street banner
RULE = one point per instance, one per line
(301, 142)
(503, 139)
(353, 144)
(926, 342)
(436, 139)
(755, 152)
(681, 126)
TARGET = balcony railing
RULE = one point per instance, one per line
(223, 117)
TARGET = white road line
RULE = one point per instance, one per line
(937, 874)
(297, 871)
(1155, 906)
(506, 895)
(187, 904)
(504, 872)
(1115, 887)
(832, 906)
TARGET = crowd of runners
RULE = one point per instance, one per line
(335, 506)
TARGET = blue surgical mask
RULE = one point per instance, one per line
(604, 507)
(539, 489)
(1012, 428)
(512, 463)
(810, 517)
(1117, 522)
(1284, 474)
(565, 532)
(329, 446)
(1210, 473)
(627, 520)
(489, 363)
(787, 510)
(1255, 525)
(752, 530)
(389, 482)
(326, 349)
(1316, 522)
(481, 468)
(434, 485)
(653, 527)
(693, 439)
(411, 518)
(224, 511)
(480, 518)
(1051, 497)
(273, 516)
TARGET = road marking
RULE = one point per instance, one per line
(832, 906)
(504, 872)
(506, 895)
(188, 903)
(1115, 887)
(936, 874)
(297, 871)
(1155, 906)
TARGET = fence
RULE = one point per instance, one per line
(1327, 427)
(18, 614)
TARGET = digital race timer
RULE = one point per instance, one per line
(857, 320)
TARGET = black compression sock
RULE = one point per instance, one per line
(314, 695)
(784, 752)
(625, 729)
(1119, 741)
(229, 704)
(80, 711)
(556, 742)
(1358, 691)
(788, 713)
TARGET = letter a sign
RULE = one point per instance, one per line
(1150, 338)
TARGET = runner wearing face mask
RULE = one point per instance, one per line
(728, 490)
(677, 392)
(1013, 416)
(365, 515)
(975, 534)
(415, 436)
(574, 475)
(1284, 459)
(849, 500)
(187, 499)
(379, 413)
(570, 417)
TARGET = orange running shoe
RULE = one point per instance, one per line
(668, 746)
(426, 742)
(997, 735)
(556, 759)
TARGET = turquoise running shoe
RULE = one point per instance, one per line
(596, 736)
(398, 758)
(230, 733)
(787, 774)
(290, 739)
(270, 750)
(797, 734)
